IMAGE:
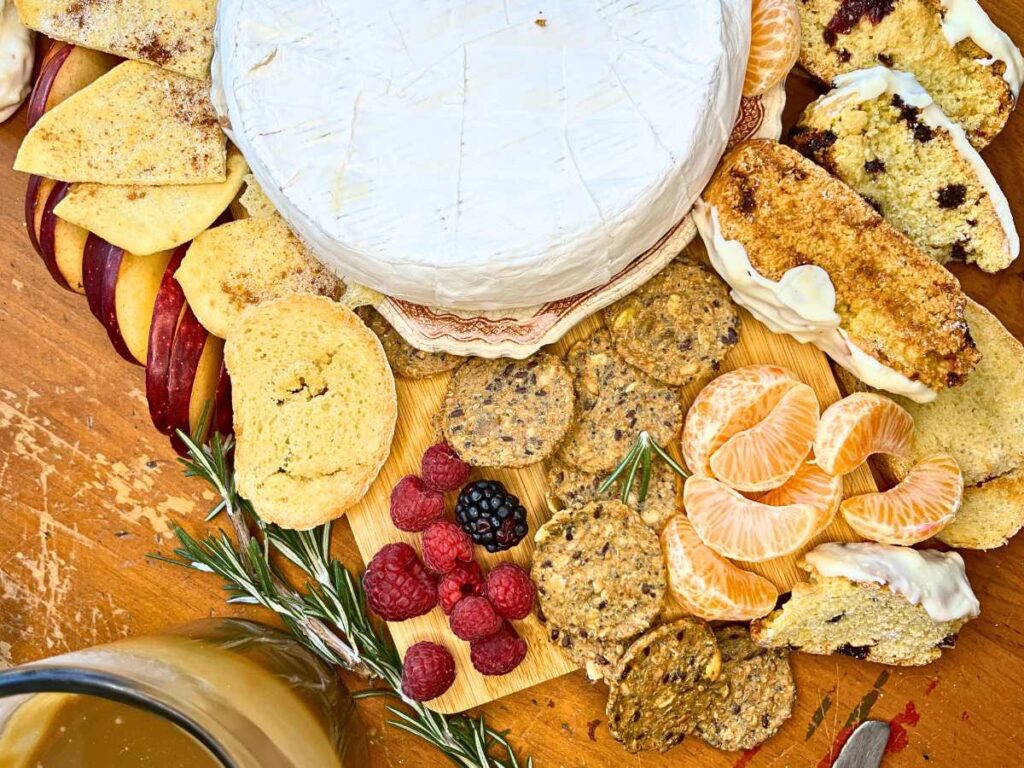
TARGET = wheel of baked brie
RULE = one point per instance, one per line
(482, 154)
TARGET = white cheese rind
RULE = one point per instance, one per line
(461, 154)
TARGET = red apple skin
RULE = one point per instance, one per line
(51, 65)
(184, 362)
(111, 269)
(170, 301)
(47, 230)
(31, 201)
(94, 263)
(223, 414)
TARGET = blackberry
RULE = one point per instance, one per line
(491, 515)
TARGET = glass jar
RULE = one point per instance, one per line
(210, 694)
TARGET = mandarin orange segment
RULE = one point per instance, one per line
(708, 585)
(733, 402)
(858, 426)
(810, 485)
(766, 455)
(744, 529)
(924, 503)
(774, 44)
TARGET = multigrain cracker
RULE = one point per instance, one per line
(508, 413)
(406, 361)
(599, 569)
(615, 402)
(677, 327)
(658, 686)
(572, 487)
(597, 657)
(753, 696)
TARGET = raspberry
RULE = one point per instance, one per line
(463, 580)
(474, 619)
(414, 506)
(442, 469)
(444, 545)
(397, 585)
(498, 654)
(510, 590)
(427, 671)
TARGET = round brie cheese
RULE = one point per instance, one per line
(478, 153)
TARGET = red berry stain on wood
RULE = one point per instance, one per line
(898, 738)
(837, 746)
(747, 756)
(932, 685)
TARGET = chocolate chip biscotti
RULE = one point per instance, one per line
(881, 133)
(807, 256)
(969, 65)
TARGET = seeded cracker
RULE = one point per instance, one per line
(597, 657)
(614, 403)
(508, 413)
(678, 326)
(599, 570)
(573, 488)
(657, 688)
(751, 699)
(406, 361)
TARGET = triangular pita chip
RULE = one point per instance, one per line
(135, 125)
(145, 220)
(175, 34)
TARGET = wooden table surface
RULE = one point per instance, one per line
(88, 488)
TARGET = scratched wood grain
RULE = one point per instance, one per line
(87, 489)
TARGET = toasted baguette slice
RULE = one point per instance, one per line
(136, 124)
(881, 133)
(872, 618)
(981, 425)
(900, 315)
(315, 409)
(175, 34)
(975, 81)
(236, 265)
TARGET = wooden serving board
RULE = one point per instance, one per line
(418, 407)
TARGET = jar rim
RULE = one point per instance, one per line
(62, 679)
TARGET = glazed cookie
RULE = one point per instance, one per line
(508, 413)
(658, 688)
(406, 361)
(599, 570)
(572, 487)
(614, 403)
(678, 326)
(751, 699)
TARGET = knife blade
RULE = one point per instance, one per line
(865, 746)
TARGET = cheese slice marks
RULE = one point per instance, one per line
(175, 34)
(145, 220)
(137, 124)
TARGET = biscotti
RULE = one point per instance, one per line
(807, 256)
(881, 133)
(315, 408)
(969, 65)
(892, 605)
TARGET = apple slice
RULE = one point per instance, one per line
(205, 385)
(223, 414)
(48, 225)
(137, 285)
(35, 198)
(94, 264)
(167, 310)
(66, 69)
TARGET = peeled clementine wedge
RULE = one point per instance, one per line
(810, 485)
(743, 529)
(858, 426)
(733, 402)
(708, 585)
(774, 44)
(924, 503)
(769, 453)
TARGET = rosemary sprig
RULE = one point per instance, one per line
(639, 461)
(327, 614)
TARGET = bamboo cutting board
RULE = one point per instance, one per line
(418, 406)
